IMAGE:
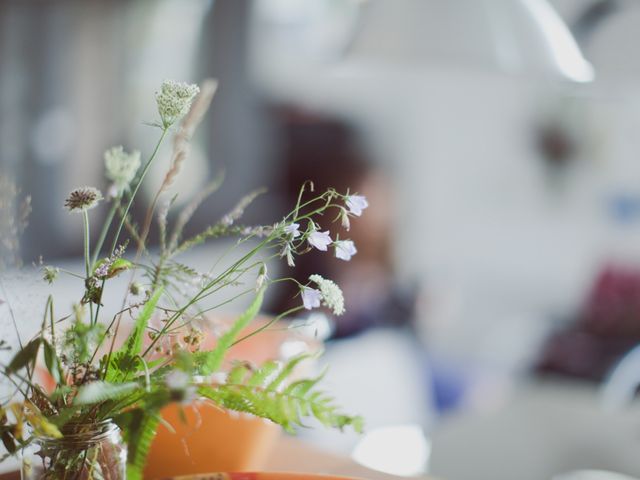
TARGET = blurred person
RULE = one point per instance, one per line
(325, 151)
(606, 327)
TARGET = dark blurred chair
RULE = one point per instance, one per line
(606, 329)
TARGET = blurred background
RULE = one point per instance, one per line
(497, 284)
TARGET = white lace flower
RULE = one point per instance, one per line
(292, 230)
(311, 298)
(121, 168)
(319, 240)
(356, 204)
(174, 100)
(345, 249)
(331, 294)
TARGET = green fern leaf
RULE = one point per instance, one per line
(265, 372)
(140, 427)
(25, 356)
(286, 371)
(286, 408)
(238, 373)
(210, 361)
(98, 391)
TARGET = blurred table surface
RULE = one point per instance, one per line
(292, 455)
(296, 456)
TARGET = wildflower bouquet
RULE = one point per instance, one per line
(99, 386)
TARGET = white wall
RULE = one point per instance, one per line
(503, 249)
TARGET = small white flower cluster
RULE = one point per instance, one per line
(174, 100)
(121, 168)
(329, 295)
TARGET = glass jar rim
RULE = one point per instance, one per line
(82, 433)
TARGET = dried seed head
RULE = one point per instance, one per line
(81, 199)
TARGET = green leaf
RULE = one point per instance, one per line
(124, 359)
(65, 415)
(133, 345)
(100, 391)
(140, 428)
(287, 370)
(25, 356)
(52, 362)
(263, 373)
(118, 266)
(210, 361)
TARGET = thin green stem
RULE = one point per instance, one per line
(143, 174)
(87, 240)
(70, 273)
(105, 229)
(145, 169)
(268, 324)
(202, 291)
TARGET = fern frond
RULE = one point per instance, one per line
(264, 373)
(286, 371)
(260, 393)
(140, 427)
(238, 373)
(284, 408)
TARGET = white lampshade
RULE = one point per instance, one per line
(517, 36)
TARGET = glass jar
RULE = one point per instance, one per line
(92, 451)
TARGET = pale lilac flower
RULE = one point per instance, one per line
(286, 252)
(293, 230)
(311, 298)
(345, 249)
(331, 294)
(356, 204)
(103, 270)
(319, 240)
(344, 217)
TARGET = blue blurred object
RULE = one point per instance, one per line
(624, 207)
